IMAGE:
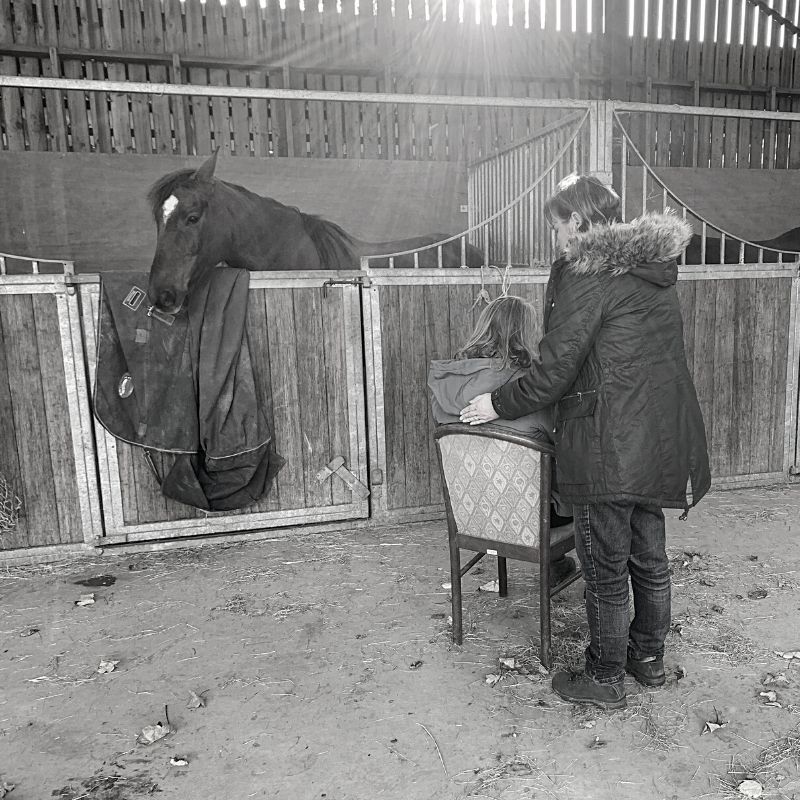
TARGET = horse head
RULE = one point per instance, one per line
(186, 248)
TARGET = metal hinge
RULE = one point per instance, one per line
(337, 467)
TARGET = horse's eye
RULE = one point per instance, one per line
(192, 219)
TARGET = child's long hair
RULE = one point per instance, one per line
(593, 201)
(505, 331)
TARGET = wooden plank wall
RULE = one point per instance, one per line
(733, 55)
(36, 421)
(421, 321)
(735, 333)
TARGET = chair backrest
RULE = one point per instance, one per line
(494, 483)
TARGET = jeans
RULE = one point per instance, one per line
(614, 541)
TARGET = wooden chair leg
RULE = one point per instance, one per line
(455, 591)
(544, 610)
(502, 576)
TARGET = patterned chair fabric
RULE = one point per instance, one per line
(493, 487)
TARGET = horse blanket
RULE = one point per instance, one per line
(185, 384)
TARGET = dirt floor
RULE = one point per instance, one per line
(321, 666)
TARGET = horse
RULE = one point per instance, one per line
(203, 221)
(784, 247)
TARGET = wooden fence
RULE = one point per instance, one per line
(724, 53)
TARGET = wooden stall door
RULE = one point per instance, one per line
(412, 317)
(46, 456)
(305, 344)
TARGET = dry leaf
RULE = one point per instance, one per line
(492, 678)
(179, 761)
(28, 632)
(447, 585)
(777, 680)
(508, 663)
(750, 788)
(107, 666)
(85, 600)
(195, 700)
(152, 733)
(597, 742)
(770, 695)
(5, 788)
(710, 727)
(492, 586)
(590, 723)
(789, 654)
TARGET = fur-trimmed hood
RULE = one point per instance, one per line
(647, 247)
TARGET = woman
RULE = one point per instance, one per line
(629, 431)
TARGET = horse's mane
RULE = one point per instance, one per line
(335, 246)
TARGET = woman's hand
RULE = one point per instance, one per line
(479, 410)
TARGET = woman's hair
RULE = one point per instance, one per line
(506, 331)
(589, 198)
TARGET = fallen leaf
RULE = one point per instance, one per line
(447, 585)
(680, 672)
(778, 680)
(492, 586)
(152, 733)
(195, 700)
(5, 788)
(107, 666)
(179, 761)
(28, 632)
(770, 695)
(750, 788)
(415, 664)
(492, 678)
(508, 663)
(590, 723)
(757, 594)
(85, 600)
(788, 654)
(710, 727)
(597, 742)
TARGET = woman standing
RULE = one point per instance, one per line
(629, 431)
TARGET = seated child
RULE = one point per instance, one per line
(499, 350)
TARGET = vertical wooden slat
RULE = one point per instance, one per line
(312, 381)
(27, 415)
(394, 412)
(119, 116)
(745, 406)
(10, 99)
(724, 389)
(285, 370)
(781, 368)
(336, 385)
(704, 366)
(259, 346)
(762, 376)
(9, 447)
(34, 110)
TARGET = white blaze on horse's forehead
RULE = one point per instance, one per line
(170, 204)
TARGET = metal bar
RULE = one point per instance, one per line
(137, 87)
(792, 424)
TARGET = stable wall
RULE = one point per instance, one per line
(92, 209)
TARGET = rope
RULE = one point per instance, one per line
(505, 284)
(10, 505)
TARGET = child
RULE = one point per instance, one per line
(499, 350)
(630, 432)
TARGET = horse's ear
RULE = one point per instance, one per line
(205, 172)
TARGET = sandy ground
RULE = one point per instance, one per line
(321, 666)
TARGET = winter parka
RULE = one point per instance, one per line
(627, 423)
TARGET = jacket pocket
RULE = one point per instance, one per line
(581, 404)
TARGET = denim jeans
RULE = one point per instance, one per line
(614, 541)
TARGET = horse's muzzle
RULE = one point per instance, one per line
(167, 302)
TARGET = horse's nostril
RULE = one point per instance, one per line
(166, 299)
